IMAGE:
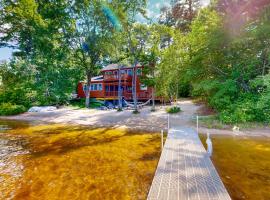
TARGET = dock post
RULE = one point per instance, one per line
(162, 139)
(168, 122)
(197, 124)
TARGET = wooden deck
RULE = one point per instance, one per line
(185, 171)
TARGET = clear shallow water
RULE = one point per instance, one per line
(243, 164)
(74, 162)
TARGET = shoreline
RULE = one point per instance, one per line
(146, 120)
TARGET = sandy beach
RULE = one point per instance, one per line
(145, 120)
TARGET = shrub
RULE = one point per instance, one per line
(135, 112)
(17, 96)
(246, 109)
(81, 103)
(174, 109)
(11, 109)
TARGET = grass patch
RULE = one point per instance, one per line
(250, 125)
(211, 121)
(214, 122)
(174, 109)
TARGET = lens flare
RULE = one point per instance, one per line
(112, 18)
(240, 13)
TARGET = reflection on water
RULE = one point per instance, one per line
(73, 162)
(244, 165)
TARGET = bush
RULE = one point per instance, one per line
(135, 112)
(246, 109)
(81, 103)
(174, 109)
(184, 89)
(17, 96)
(11, 109)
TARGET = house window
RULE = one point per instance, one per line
(130, 72)
(139, 72)
(100, 86)
(108, 73)
(111, 88)
(129, 88)
(123, 71)
(84, 87)
(143, 87)
(95, 87)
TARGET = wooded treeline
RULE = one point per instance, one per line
(219, 53)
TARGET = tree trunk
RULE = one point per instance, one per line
(87, 92)
(119, 89)
(134, 83)
(153, 99)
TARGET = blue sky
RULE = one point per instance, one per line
(152, 10)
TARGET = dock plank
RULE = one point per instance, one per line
(185, 171)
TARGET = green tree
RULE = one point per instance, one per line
(38, 30)
(135, 43)
(150, 57)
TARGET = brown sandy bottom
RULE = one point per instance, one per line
(74, 162)
(243, 164)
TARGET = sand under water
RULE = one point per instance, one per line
(75, 162)
(243, 164)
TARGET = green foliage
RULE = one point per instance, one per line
(23, 84)
(173, 110)
(49, 38)
(229, 70)
(243, 110)
(81, 103)
(223, 61)
(135, 112)
(11, 109)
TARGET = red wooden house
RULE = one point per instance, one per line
(105, 87)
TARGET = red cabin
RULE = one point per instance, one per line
(105, 87)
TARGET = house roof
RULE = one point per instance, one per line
(115, 66)
(97, 78)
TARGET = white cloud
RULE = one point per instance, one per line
(205, 2)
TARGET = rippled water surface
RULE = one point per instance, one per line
(74, 162)
(244, 165)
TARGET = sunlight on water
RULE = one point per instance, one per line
(74, 162)
(244, 165)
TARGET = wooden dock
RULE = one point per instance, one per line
(185, 171)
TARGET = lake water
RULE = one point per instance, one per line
(74, 162)
(244, 165)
